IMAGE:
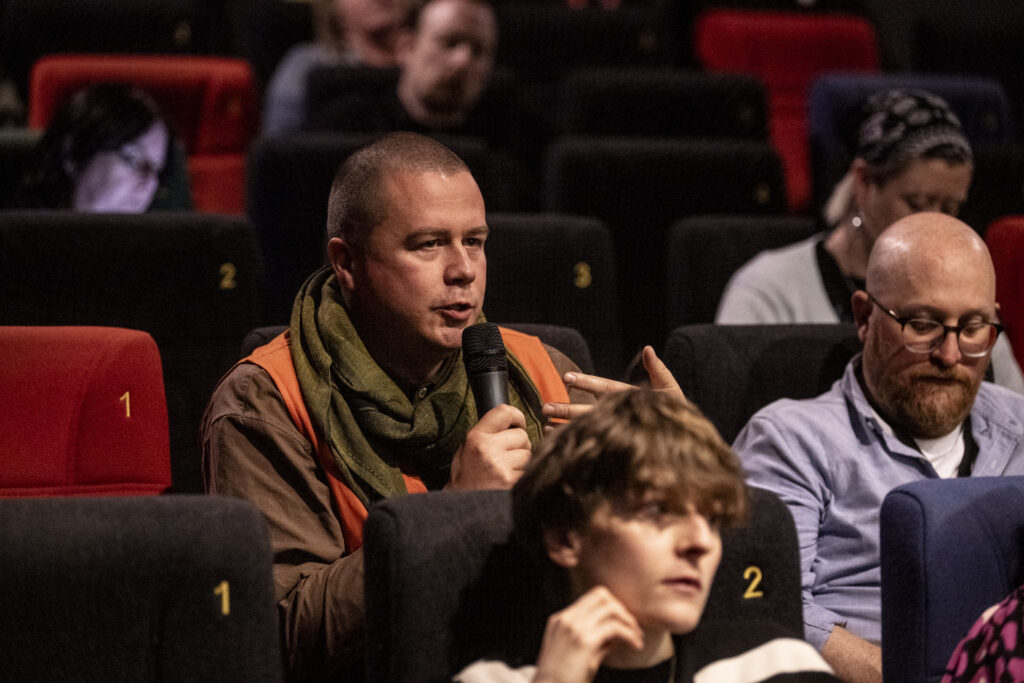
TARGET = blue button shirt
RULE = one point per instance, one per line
(832, 461)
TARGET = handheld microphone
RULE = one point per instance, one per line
(483, 354)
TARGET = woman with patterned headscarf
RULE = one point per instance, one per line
(911, 155)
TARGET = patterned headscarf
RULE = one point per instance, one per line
(901, 125)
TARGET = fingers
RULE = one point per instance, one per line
(661, 377)
(495, 452)
(577, 638)
(599, 607)
(501, 418)
(564, 411)
(592, 384)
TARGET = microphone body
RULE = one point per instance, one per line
(483, 354)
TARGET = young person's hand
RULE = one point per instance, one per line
(577, 639)
(661, 379)
(495, 452)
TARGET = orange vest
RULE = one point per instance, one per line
(275, 357)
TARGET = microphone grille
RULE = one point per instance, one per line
(482, 348)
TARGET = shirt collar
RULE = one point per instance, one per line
(997, 431)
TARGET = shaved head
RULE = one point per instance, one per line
(927, 245)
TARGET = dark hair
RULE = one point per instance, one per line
(631, 443)
(358, 202)
(99, 117)
(899, 127)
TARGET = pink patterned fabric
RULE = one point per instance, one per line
(993, 650)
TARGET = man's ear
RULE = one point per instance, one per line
(563, 547)
(861, 304)
(342, 257)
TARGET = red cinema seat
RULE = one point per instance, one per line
(787, 50)
(211, 101)
(1005, 240)
(82, 412)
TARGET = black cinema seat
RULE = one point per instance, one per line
(732, 371)
(30, 29)
(640, 186)
(558, 269)
(705, 251)
(659, 101)
(158, 588)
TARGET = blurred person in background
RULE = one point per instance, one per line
(447, 86)
(349, 32)
(107, 149)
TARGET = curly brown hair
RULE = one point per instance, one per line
(630, 444)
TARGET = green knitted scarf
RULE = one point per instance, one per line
(372, 427)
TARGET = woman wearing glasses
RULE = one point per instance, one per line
(108, 149)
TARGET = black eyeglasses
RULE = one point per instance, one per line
(138, 162)
(924, 335)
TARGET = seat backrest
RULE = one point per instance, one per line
(639, 187)
(558, 269)
(289, 182)
(31, 29)
(262, 32)
(657, 101)
(541, 40)
(83, 412)
(705, 251)
(786, 50)
(189, 280)
(1005, 240)
(446, 584)
(17, 153)
(158, 588)
(950, 548)
(731, 371)
(327, 85)
(979, 39)
(979, 102)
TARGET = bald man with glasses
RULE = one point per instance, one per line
(912, 406)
